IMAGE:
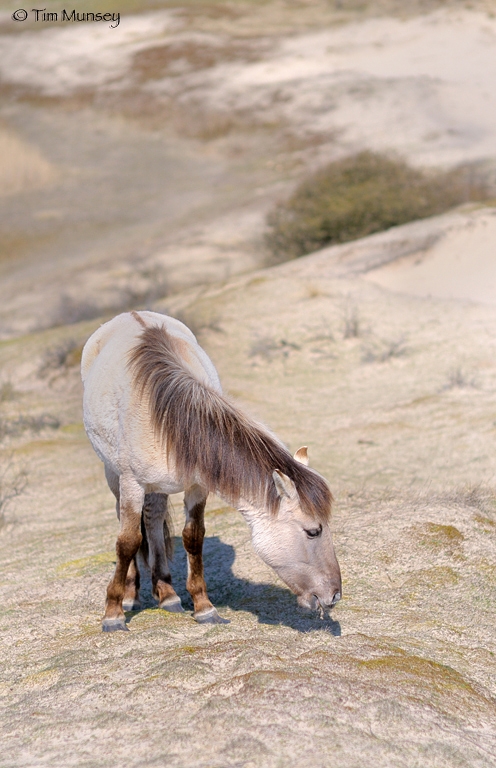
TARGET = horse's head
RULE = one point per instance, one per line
(298, 547)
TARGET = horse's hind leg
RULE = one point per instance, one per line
(193, 534)
(155, 518)
(131, 498)
(130, 601)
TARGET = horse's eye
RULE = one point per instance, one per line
(312, 533)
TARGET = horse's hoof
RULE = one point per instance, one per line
(209, 616)
(114, 625)
(172, 604)
(131, 605)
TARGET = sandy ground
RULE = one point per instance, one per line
(379, 355)
(423, 86)
(459, 265)
(400, 418)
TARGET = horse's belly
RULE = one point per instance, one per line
(101, 425)
(150, 468)
(128, 446)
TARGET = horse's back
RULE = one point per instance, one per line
(117, 337)
(115, 414)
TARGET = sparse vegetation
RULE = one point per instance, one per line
(351, 322)
(268, 348)
(13, 481)
(60, 357)
(360, 195)
(478, 497)
(23, 167)
(381, 351)
(179, 57)
(15, 427)
(459, 379)
(314, 292)
(73, 310)
(7, 392)
(198, 321)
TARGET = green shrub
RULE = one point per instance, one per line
(360, 195)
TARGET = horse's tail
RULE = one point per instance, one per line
(158, 503)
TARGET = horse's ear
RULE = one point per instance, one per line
(284, 484)
(301, 455)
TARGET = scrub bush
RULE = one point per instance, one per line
(360, 195)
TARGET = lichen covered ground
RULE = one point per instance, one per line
(402, 674)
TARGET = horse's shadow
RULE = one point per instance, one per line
(269, 603)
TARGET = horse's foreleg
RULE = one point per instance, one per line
(131, 497)
(158, 535)
(193, 535)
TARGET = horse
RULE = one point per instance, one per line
(156, 416)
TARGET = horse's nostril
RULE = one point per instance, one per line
(328, 604)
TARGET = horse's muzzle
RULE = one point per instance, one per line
(325, 605)
(315, 603)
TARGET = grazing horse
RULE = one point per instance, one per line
(156, 416)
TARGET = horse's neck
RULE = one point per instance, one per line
(251, 512)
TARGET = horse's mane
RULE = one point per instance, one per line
(208, 436)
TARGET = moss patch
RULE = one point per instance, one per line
(86, 565)
(439, 538)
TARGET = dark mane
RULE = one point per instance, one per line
(206, 435)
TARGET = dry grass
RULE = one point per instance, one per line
(13, 482)
(7, 392)
(16, 427)
(360, 195)
(352, 326)
(380, 351)
(22, 167)
(480, 498)
(269, 349)
(459, 379)
(180, 57)
(73, 310)
(198, 321)
(60, 357)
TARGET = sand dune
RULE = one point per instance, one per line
(459, 265)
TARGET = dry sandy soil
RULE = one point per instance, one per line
(137, 167)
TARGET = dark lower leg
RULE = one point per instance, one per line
(193, 535)
(130, 600)
(155, 519)
(127, 545)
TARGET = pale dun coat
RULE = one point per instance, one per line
(156, 416)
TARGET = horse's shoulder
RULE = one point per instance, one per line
(184, 344)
